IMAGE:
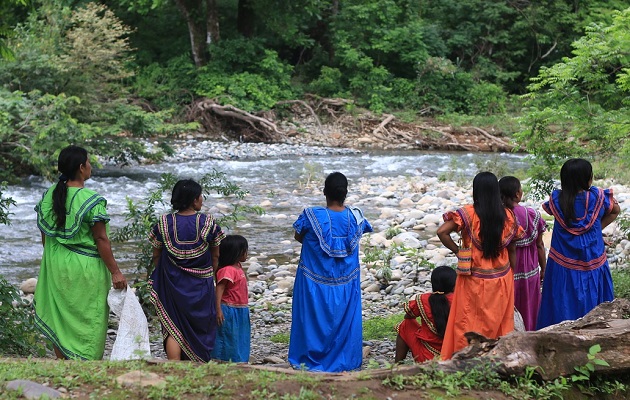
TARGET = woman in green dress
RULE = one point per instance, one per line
(77, 265)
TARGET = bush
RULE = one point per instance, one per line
(168, 86)
(18, 336)
(486, 98)
(250, 91)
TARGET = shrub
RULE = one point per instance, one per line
(18, 336)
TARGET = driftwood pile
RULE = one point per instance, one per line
(362, 130)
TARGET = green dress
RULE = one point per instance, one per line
(71, 294)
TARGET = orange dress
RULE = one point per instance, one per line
(484, 300)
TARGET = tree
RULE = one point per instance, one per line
(5, 30)
(580, 107)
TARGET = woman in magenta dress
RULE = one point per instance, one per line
(185, 255)
(530, 252)
(577, 278)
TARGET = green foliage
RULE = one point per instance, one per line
(18, 336)
(580, 107)
(589, 384)
(481, 377)
(5, 203)
(280, 338)
(486, 98)
(251, 83)
(380, 328)
(142, 215)
(169, 86)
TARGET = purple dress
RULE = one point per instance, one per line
(182, 286)
(526, 272)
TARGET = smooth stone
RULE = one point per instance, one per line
(140, 378)
(28, 286)
(33, 390)
(375, 287)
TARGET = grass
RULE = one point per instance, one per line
(280, 338)
(380, 328)
(621, 282)
(97, 380)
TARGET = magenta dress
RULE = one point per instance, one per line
(526, 272)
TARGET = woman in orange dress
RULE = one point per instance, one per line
(484, 293)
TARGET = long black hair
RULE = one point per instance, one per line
(336, 187)
(231, 249)
(443, 283)
(575, 176)
(185, 192)
(509, 186)
(491, 212)
(68, 163)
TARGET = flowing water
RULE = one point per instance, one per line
(279, 180)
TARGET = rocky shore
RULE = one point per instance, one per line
(396, 259)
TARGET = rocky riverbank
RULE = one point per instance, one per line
(397, 257)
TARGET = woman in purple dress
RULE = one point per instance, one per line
(185, 255)
(577, 277)
(530, 252)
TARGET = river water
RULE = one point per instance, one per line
(282, 180)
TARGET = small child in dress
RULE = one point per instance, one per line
(233, 334)
(424, 337)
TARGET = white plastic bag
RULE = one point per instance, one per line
(132, 339)
(519, 324)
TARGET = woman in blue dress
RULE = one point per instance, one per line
(577, 278)
(326, 326)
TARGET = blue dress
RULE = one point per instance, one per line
(577, 278)
(326, 326)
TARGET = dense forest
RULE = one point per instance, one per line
(99, 72)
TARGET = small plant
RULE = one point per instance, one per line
(5, 203)
(18, 335)
(380, 328)
(310, 172)
(280, 338)
(584, 371)
(392, 231)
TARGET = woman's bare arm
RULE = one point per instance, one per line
(104, 248)
(444, 233)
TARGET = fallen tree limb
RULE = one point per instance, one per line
(558, 349)
(234, 112)
(502, 145)
(309, 108)
(382, 125)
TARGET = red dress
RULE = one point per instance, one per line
(421, 336)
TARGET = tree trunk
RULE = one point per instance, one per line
(212, 22)
(245, 19)
(196, 29)
(556, 350)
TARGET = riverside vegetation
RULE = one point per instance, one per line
(377, 380)
(553, 77)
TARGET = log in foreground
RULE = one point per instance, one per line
(556, 350)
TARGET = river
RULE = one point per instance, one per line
(280, 180)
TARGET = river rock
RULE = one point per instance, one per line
(28, 286)
(140, 378)
(33, 390)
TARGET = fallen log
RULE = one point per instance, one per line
(556, 350)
